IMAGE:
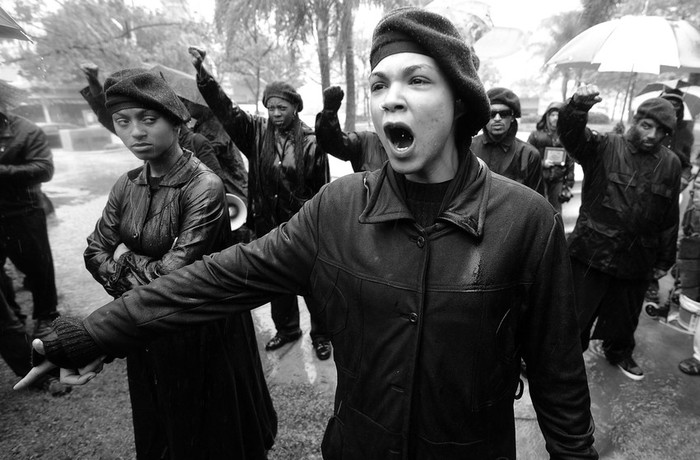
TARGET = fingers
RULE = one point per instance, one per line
(95, 367)
(34, 375)
(73, 377)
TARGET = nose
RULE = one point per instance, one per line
(137, 130)
(497, 117)
(393, 99)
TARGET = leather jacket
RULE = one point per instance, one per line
(362, 149)
(153, 224)
(428, 324)
(628, 221)
(25, 162)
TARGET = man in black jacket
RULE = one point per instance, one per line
(627, 227)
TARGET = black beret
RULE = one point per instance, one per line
(660, 110)
(284, 91)
(411, 29)
(142, 88)
(506, 97)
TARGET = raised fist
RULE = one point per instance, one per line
(586, 96)
(332, 97)
(90, 70)
(198, 55)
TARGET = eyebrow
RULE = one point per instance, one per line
(405, 71)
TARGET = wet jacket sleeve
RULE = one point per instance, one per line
(362, 149)
(239, 278)
(580, 142)
(97, 104)
(552, 352)
(200, 225)
(104, 240)
(668, 237)
(242, 128)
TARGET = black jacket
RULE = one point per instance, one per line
(428, 325)
(25, 162)
(628, 220)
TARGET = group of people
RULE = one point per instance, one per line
(434, 270)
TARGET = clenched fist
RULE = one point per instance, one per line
(586, 96)
(332, 97)
(198, 55)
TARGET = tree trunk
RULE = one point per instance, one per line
(350, 96)
(324, 64)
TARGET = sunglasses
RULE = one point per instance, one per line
(502, 113)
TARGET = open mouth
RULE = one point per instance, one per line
(399, 135)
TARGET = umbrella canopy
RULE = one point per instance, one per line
(471, 17)
(10, 29)
(691, 95)
(184, 84)
(633, 44)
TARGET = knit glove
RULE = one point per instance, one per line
(69, 345)
(332, 97)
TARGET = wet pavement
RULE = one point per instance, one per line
(656, 418)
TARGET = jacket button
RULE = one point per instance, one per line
(420, 241)
(413, 317)
(136, 235)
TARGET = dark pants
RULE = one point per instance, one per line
(285, 315)
(24, 240)
(614, 302)
(14, 342)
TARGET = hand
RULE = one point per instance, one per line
(586, 96)
(120, 251)
(659, 273)
(198, 55)
(68, 376)
(91, 71)
(332, 97)
(547, 163)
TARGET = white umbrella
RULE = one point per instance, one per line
(633, 44)
(473, 20)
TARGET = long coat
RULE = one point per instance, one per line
(200, 393)
(428, 325)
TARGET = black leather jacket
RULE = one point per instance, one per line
(428, 325)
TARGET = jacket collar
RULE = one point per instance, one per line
(466, 209)
(181, 172)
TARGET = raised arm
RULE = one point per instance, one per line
(578, 140)
(362, 149)
(242, 128)
(94, 95)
